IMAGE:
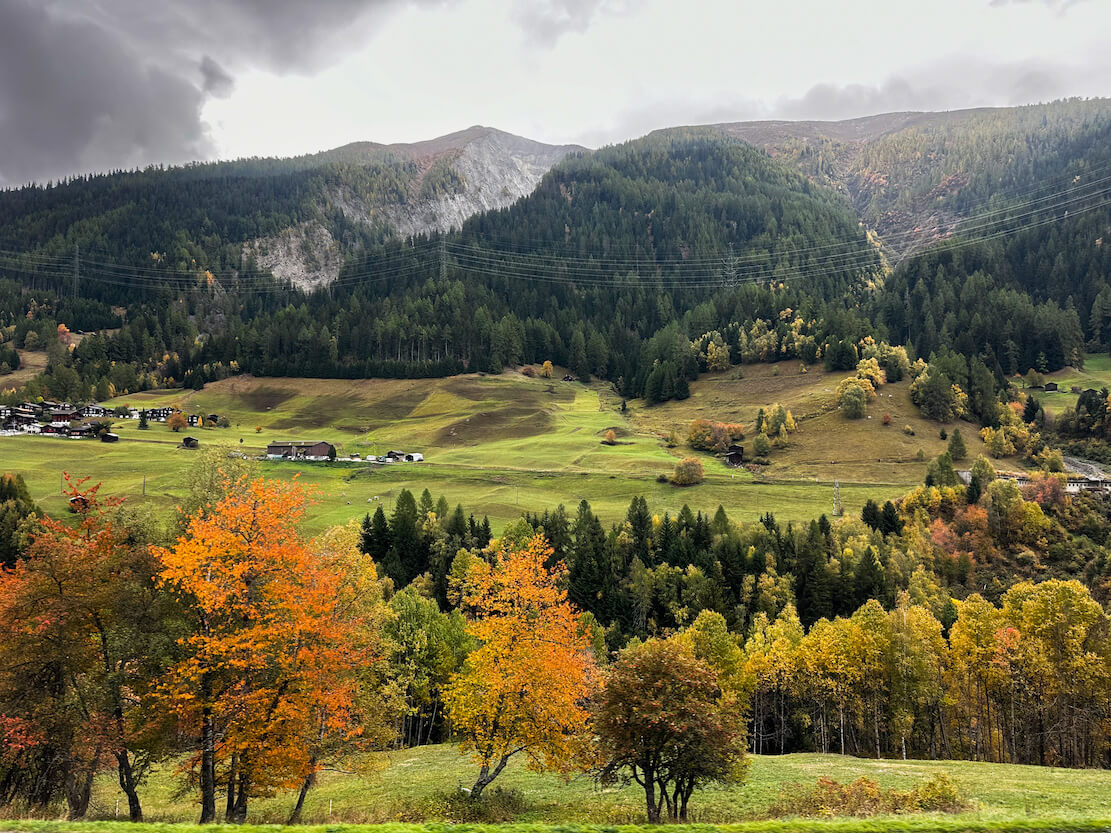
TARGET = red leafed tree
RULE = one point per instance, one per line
(281, 639)
(80, 639)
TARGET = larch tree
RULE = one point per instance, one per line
(524, 690)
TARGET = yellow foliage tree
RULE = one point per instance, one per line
(525, 689)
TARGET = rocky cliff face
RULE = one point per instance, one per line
(456, 176)
(492, 170)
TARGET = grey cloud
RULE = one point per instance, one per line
(217, 81)
(546, 21)
(1063, 5)
(955, 84)
(74, 97)
(95, 85)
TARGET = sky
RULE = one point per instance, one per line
(95, 85)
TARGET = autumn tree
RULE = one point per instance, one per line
(524, 689)
(688, 472)
(83, 631)
(662, 722)
(281, 636)
(177, 421)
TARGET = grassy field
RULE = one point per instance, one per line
(410, 785)
(1096, 374)
(505, 443)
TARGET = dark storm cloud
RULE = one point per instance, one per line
(89, 86)
(74, 96)
(217, 81)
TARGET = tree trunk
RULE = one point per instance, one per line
(486, 775)
(240, 813)
(127, 784)
(208, 755)
(650, 800)
(79, 789)
(229, 804)
(310, 780)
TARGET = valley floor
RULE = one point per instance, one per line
(503, 444)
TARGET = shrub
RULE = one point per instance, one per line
(672, 439)
(661, 478)
(610, 437)
(887, 419)
(528, 370)
(908, 430)
(688, 472)
(494, 806)
(864, 797)
(707, 435)
(853, 402)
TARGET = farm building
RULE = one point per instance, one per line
(109, 437)
(1050, 387)
(319, 450)
(403, 456)
(189, 442)
(93, 411)
(734, 455)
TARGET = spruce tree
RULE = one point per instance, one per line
(957, 450)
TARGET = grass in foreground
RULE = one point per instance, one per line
(412, 785)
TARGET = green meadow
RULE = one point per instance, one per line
(503, 444)
(416, 784)
(1095, 374)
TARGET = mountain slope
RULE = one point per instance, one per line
(296, 219)
(914, 177)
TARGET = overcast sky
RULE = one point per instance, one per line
(105, 84)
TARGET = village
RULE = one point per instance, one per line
(93, 421)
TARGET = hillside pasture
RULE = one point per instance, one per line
(827, 446)
(411, 784)
(503, 444)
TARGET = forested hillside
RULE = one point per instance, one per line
(234, 218)
(644, 263)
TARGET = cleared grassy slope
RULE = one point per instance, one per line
(502, 444)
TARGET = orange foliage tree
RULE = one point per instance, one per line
(282, 636)
(81, 637)
(525, 689)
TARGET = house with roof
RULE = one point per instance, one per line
(291, 450)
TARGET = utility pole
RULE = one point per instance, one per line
(443, 260)
(729, 269)
(76, 267)
(838, 509)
